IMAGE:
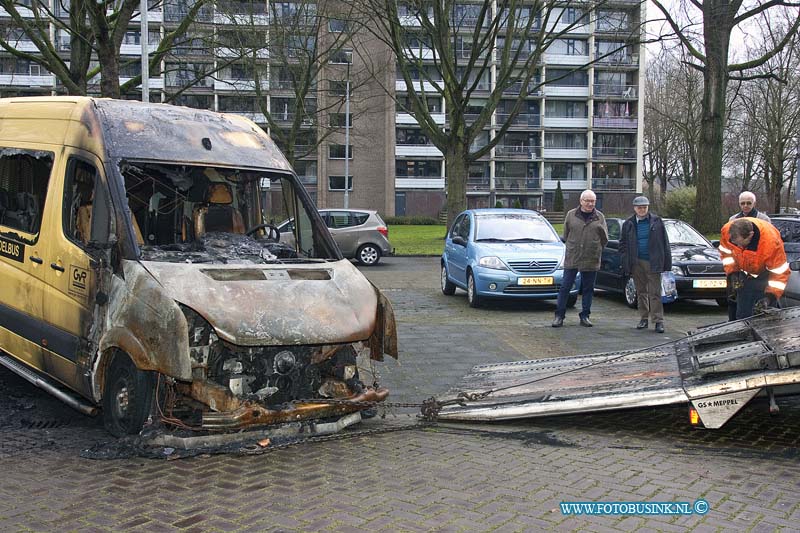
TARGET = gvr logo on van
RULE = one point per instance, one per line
(78, 280)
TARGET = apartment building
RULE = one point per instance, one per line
(582, 128)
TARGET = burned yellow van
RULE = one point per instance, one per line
(142, 274)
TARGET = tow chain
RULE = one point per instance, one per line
(428, 416)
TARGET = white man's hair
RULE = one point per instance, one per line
(747, 195)
(588, 193)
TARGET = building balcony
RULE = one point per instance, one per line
(24, 12)
(26, 80)
(242, 19)
(580, 91)
(417, 150)
(613, 184)
(408, 119)
(566, 122)
(227, 84)
(520, 184)
(619, 60)
(616, 29)
(136, 49)
(480, 184)
(528, 120)
(153, 83)
(152, 16)
(287, 119)
(566, 184)
(188, 81)
(240, 52)
(414, 182)
(615, 123)
(255, 116)
(23, 45)
(614, 153)
(565, 59)
(178, 13)
(566, 153)
(533, 88)
(621, 91)
(517, 151)
(308, 180)
(419, 86)
(303, 150)
(571, 27)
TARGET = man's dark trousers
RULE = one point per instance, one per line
(587, 290)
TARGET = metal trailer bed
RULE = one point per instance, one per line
(717, 369)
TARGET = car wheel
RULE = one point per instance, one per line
(572, 299)
(722, 302)
(127, 396)
(448, 287)
(472, 293)
(368, 255)
(630, 293)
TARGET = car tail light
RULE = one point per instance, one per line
(383, 230)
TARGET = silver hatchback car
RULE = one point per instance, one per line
(360, 233)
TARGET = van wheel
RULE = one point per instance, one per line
(472, 293)
(448, 287)
(368, 255)
(630, 294)
(127, 396)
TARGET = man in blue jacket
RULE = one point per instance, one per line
(645, 253)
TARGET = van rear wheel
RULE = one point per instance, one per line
(127, 396)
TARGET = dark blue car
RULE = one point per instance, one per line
(696, 264)
(503, 253)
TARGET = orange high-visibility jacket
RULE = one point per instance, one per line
(767, 257)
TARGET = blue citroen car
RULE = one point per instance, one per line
(503, 253)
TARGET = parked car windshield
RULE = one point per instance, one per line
(682, 234)
(513, 228)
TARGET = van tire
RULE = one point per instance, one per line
(368, 254)
(127, 396)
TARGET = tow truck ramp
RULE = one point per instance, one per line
(717, 369)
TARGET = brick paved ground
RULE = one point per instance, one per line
(502, 476)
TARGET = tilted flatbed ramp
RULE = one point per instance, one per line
(718, 369)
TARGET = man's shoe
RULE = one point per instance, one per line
(659, 327)
(642, 324)
(558, 322)
(586, 322)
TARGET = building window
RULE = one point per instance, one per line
(343, 56)
(336, 183)
(337, 120)
(337, 151)
(565, 171)
(337, 26)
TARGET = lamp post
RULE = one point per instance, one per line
(144, 38)
(347, 139)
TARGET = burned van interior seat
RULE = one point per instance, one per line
(217, 213)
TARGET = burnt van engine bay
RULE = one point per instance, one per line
(271, 328)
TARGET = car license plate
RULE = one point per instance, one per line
(536, 281)
(709, 283)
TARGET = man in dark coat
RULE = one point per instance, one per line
(645, 254)
(585, 234)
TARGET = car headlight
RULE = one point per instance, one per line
(677, 270)
(492, 262)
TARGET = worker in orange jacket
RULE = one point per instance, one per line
(755, 262)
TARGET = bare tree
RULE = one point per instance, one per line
(709, 48)
(467, 52)
(94, 29)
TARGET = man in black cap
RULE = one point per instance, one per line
(645, 251)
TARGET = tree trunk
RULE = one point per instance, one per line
(109, 72)
(456, 172)
(708, 213)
